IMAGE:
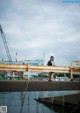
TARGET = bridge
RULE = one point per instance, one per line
(22, 85)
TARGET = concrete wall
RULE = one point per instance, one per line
(22, 85)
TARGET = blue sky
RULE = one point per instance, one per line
(33, 27)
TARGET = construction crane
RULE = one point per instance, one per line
(6, 46)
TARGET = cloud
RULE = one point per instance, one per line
(34, 26)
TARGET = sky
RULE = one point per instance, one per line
(38, 29)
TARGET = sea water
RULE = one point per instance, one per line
(24, 102)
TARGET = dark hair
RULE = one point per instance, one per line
(51, 57)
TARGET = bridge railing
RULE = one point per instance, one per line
(28, 68)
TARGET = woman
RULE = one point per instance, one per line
(51, 63)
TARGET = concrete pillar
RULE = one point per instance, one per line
(65, 77)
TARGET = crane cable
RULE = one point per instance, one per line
(2, 51)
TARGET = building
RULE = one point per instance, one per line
(76, 64)
(36, 62)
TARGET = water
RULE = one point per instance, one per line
(14, 102)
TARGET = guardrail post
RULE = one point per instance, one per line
(13, 76)
(71, 74)
(28, 71)
(21, 75)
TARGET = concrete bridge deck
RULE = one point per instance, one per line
(22, 85)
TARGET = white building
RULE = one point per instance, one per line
(76, 64)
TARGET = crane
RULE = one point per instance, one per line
(6, 46)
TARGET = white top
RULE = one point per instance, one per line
(53, 63)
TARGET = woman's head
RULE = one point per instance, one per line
(52, 58)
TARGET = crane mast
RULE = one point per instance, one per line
(6, 46)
